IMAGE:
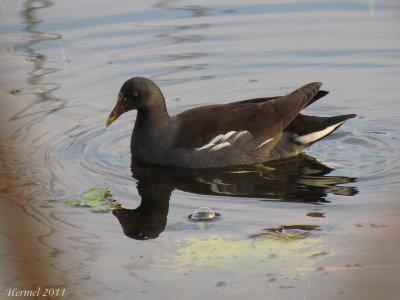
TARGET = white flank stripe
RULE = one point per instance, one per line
(209, 145)
(225, 140)
(216, 139)
(239, 135)
(266, 141)
(220, 146)
(311, 137)
(227, 136)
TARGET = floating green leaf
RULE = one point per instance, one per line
(99, 199)
(15, 91)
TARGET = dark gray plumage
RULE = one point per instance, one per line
(237, 133)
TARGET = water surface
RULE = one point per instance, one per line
(62, 66)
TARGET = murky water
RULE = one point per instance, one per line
(323, 224)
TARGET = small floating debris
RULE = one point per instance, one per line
(319, 254)
(260, 169)
(287, 232)
(316, 214)
(203, 214)
(16, 92)
(243, 172)
(99, 199)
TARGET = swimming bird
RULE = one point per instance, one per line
(220, 135)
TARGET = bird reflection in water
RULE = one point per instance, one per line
(296, 179)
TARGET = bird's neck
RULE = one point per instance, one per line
(152, 128)
(152, 121)
(150, 117)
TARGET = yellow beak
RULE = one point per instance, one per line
(116, 112)
(110, 120)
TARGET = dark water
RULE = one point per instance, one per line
(62, 64)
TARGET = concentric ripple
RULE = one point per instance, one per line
(371, 157)
(376, 158)
(95, 156)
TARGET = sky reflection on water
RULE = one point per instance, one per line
(63, 65)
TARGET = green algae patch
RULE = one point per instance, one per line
(98, 199)
(247, 255)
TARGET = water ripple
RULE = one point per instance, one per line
(370, 156)
(95, 157)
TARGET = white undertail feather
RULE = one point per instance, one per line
(314, 136)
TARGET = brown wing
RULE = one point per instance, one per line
(199, 125)
(317, 96)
